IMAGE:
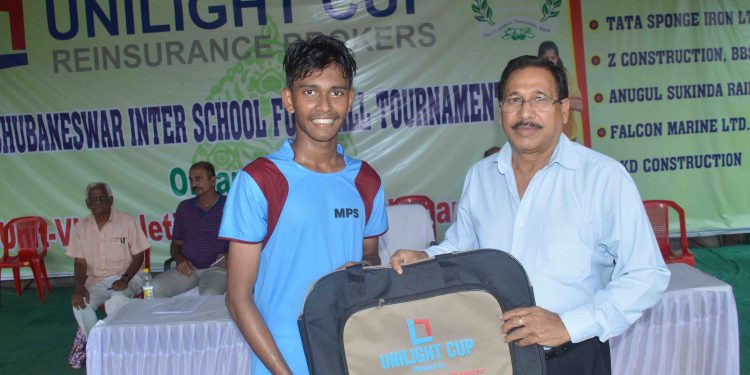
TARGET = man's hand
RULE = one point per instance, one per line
(80, 297)
(406, 256)
(185, 267)
(535, 326)
(120, 284)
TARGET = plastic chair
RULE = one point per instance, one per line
(147, 258)
(28, 236)
(658, 214)
(409, 227)
(168, 264)
(423, 200)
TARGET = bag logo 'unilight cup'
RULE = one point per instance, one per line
(413, 332)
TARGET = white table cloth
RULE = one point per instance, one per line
(693, 330)
(143, 339)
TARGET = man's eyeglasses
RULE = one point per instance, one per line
(98, 200)
(539, 103)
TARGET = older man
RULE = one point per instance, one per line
(108, 247)
(572, 216)
(196, 248)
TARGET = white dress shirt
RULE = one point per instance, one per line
(580, 231)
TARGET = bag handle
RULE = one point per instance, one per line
(451, 274)
(356, 276)
(443, 265)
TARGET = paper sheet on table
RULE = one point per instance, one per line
(218, 260)
(178, 306)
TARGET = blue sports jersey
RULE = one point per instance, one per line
(309, 223)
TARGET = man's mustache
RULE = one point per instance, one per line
(526, 123)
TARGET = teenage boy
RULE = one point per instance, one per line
(300, 212)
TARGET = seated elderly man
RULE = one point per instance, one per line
(108, 247)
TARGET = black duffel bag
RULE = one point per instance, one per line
(442, 316)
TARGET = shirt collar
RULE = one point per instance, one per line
(112, 217)
(565, 155)
(219, 200)
(286, 149)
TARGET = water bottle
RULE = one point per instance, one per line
(148, 286)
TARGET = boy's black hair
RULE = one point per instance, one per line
(303, 57)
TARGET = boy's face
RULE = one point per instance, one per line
(320, 103)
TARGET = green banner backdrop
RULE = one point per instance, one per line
(133, 92)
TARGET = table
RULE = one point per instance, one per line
(139, 340)
(693, 330)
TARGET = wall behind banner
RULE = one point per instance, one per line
(133, 95)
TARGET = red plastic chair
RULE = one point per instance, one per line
(28, 237)
(423, 200)
(658, 214)
(147, 259)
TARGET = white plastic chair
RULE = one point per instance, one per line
(409, 227)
